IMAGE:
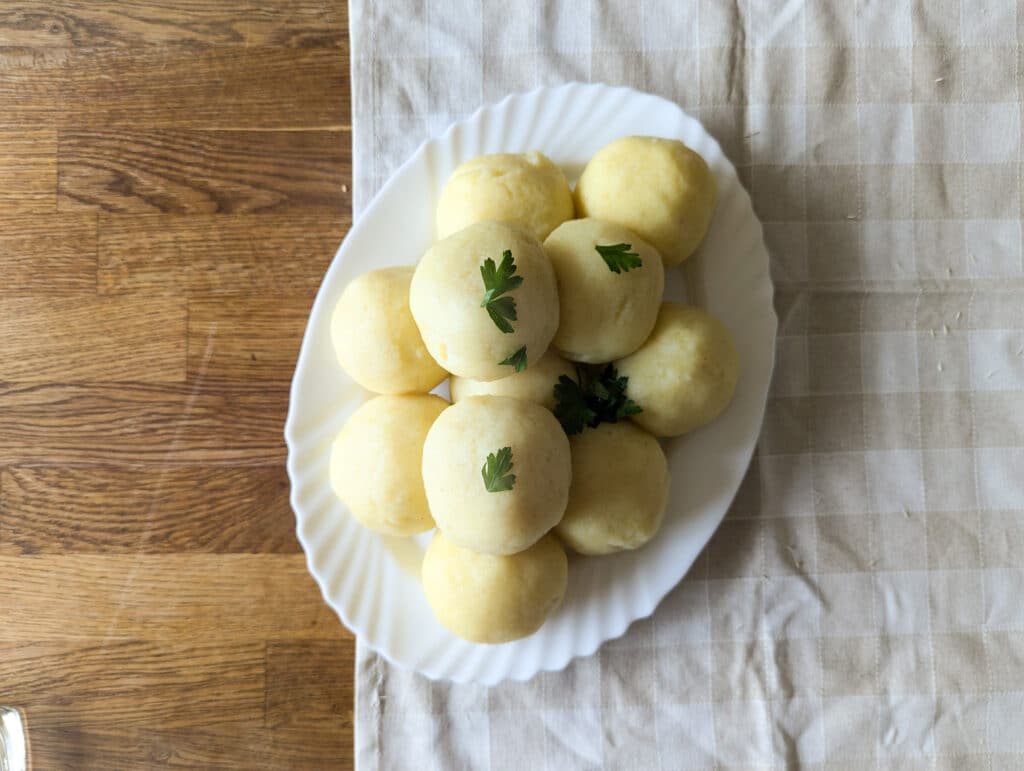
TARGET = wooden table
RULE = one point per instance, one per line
(174, 179)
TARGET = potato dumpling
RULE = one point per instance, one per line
(514, 447)
(658, 187)
(524, 188)
(685, 375)
(376, 339)
(619, 489)
(488, 598)
(376, 462)
(465, 319)
(536, 384)
(607, 303)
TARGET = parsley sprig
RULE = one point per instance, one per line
(516, 360)
(592, 399)
(496, 471)
(499, 280)
(618, 257)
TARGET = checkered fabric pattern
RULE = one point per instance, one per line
(862, 605)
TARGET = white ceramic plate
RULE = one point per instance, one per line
(371, 581)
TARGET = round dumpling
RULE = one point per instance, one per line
(489, 598)
(376, 462)
(610, 284)
(376, 339)
(614, 505)
(485, 301)
(524, 188)
(658, 187)
(537, 384)
(685, 375)
(496, 471)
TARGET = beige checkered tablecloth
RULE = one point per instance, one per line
(862, 606)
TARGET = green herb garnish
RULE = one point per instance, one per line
(591, 400)
(571, 406)
(499, 280)
(618, 257)
(495, 471)
(516, 360)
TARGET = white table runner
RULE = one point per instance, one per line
(863, 604)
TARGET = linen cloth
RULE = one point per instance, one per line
(862, 605)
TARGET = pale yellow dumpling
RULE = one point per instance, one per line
(447, 298)
(482, 503)
(488, 598)
(526, 188)
(376, 462)
(685, 375)
(614, 505)
(606, 307)
(536, 384)
(658, 187)
(376, 339)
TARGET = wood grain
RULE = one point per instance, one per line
(82, 23)
(229, 88)
(174, 684)
(94, 339)
(306, 682)
(28, 167)
(145, 510)
(176, 178)
(232, 597)
(226, 88)
(30, 92)
(201, 172)
(42, 255)
(314, 747)
(210, 255)
(260, 341)
(123, 423)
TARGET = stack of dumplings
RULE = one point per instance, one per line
(544, 308)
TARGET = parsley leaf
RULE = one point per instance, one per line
(516, 360)
(618, 257)
(499, 280)
(495, 471)
(571, 406)
(592, 399)
(501, 309)
(611, 390)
